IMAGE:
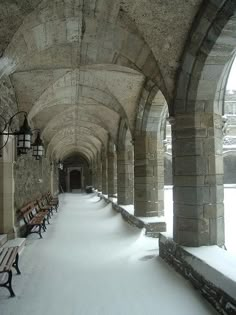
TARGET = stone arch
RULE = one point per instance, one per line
(196, 117)
(45, 29)
(72, 152)
(74, 133)
(68, 118)
(82, 147)
(201, 49)
(68, 90)
(149, 153)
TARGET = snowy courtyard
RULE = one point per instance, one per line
(90, 262)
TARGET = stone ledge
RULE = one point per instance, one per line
(153, 229)
(3, 239)
(204, 277)
(20, 242)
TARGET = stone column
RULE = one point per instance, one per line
(52, 179)
(94, 176)
(104, 175)
(112, 178)
(125, 175)
(148, 176)
(7, 211)
(198, 179)
(99, 175)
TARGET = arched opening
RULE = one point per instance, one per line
(229, 157)
(76, 173)
(75, 180)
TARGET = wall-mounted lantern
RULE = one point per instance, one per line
(24, 136)
(37, 147)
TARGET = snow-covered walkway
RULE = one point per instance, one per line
(90, 262)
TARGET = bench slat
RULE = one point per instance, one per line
(9, 255)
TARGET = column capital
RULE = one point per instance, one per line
(171, 120)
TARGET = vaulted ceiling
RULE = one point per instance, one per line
(78, 67)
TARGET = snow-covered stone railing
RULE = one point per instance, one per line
(153, 225)
(210, 269)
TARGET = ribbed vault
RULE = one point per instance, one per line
(79, 68)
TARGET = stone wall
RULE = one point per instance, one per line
(8, 105)
(183, 262)
(229, 169)
(32, 178)
(55, 180)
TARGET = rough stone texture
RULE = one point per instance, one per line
(125, 173)
(32, 179)
(112, 174)
(89, 71)
(195, 162)
(104, 174)
(158, 21)
(180, 260)
(8, 104)
(99, 175)
(148, 176)
(12, 15)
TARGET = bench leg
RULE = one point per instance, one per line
(40, 228)
(44, 225)
(15, 265)
(8, 283)
(48, 217)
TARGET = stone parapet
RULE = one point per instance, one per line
(216, 288)
(153, 229)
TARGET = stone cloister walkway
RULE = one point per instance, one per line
(90, 262)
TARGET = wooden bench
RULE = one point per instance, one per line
(52, 201)
(8, 258)
(34, 221)
(43, 206)
(40, 209)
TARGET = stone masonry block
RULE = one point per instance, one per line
(189, 180)
(190, 165)
(188, 211)
(212, 211)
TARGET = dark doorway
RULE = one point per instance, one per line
(75, 180)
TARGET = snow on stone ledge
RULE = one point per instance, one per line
(130, 210)
(219, 266)
(152, 219)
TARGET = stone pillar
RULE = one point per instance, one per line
(104, 175)
(112, 177)
(198, 179)
(52, 179)
(125, 173)
(148, 176)
(7, 211)
(94, 176)
(99, 175)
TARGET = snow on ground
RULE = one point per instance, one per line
(90, 262)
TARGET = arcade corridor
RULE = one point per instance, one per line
(90, 262)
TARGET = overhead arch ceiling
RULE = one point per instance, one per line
(79, 67)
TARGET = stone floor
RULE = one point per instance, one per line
(90, 262)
